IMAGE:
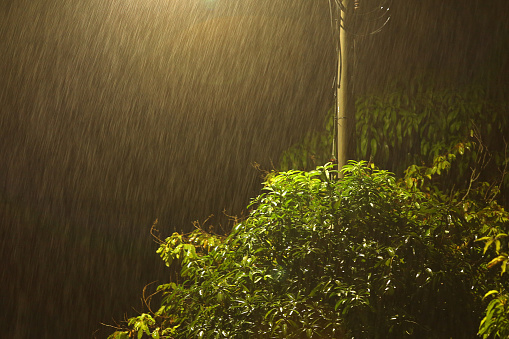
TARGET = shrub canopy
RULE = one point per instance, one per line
(365, 256)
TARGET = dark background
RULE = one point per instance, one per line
(115, 113)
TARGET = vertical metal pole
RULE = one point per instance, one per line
(341, 109)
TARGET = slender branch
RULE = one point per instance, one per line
(146, 300)
(153, 229)
(115, 327)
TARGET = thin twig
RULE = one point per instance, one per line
(115, 327)
(146, 301)
(156, 237)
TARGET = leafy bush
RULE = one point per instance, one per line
(412, 124)
(420, 122)
(367, 256)
(496, 321)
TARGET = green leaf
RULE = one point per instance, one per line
(399, 133)
(461, 149)
(364, 147)
(490, 293)
(488, 244)
(409, 182)
(373, 147)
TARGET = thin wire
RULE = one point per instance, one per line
(340, 61)
(372, 32)
(380, 5)
(384, 13)
(339, 3)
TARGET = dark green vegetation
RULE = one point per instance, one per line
(413, 124)
(367, 256)
(418, 254)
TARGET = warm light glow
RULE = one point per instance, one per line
(232, 50)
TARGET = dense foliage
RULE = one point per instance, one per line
(412, 124)
(365, 256)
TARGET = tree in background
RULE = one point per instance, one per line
(414, 124)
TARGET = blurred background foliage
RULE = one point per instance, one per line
(415, 123)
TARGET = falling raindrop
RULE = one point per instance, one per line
(115, 113)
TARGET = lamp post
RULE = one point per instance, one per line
(359, 21)
(341, 88)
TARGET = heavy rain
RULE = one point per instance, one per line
(116, 113)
